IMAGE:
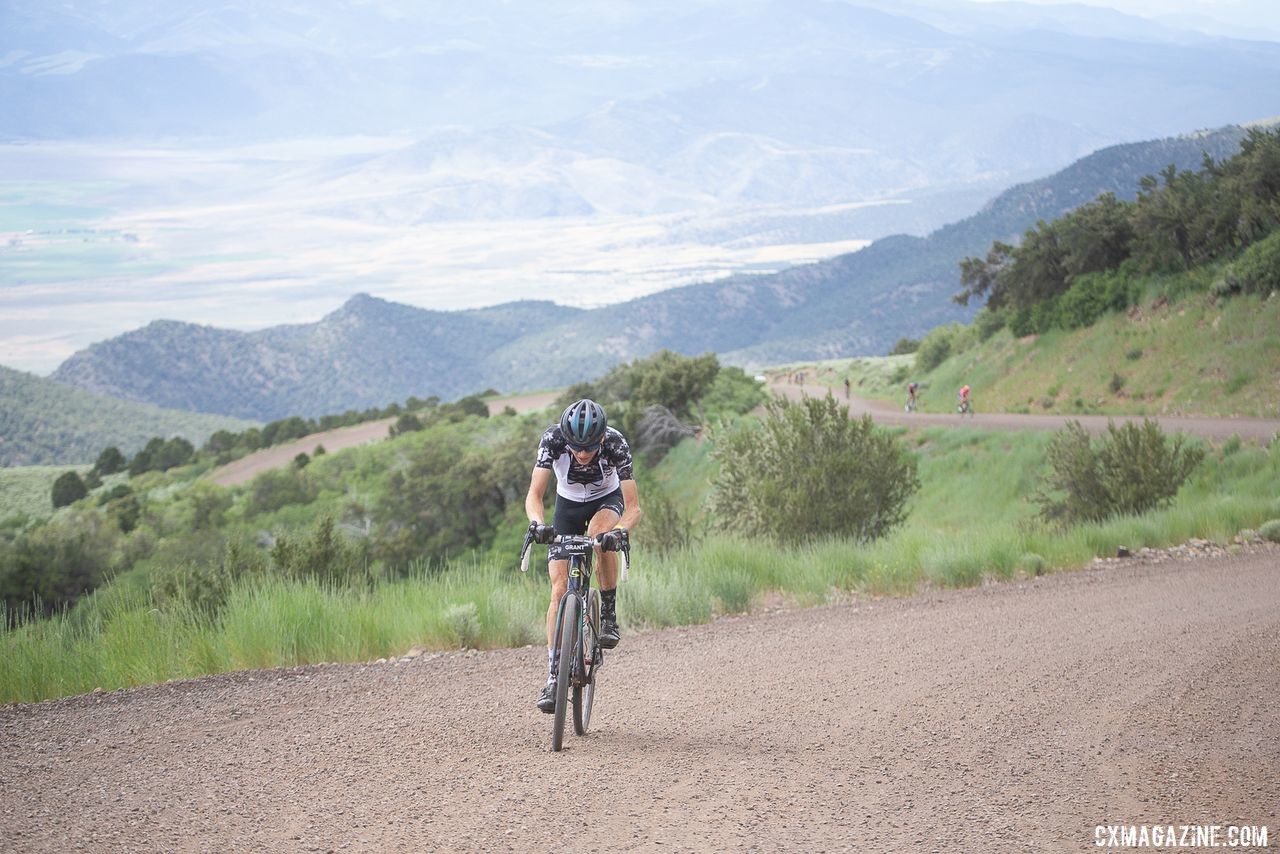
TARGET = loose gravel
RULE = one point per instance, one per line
(1011, 717)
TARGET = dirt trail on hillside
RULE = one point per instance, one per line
(884, 412)
(1011, 717)
(247, 468)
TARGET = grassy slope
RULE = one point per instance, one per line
(1186, 358)
(27, 491)
(1192, 357)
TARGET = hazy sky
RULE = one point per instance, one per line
(1240, 18)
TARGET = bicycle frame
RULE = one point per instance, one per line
(580, 654)
(580, 551)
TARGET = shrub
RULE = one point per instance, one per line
(1032, 564)
(324, 554)
(463, 622)
(55, 564)
(1131, 470)
(161, 455)
(732, 392)
(988, 321)
(280, 487)
(935, 349)
(666, 528)
(125, 512)
(1092, 296)
(1117, 383)
(1270, 531)
(1257, 270)
(905, 347)
(110, 461)
(206, 584)
(68, 489)
(453, 491)
(407, 423)
(808, 471)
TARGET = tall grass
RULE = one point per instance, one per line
(971, 521)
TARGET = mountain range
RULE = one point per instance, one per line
(372, 351)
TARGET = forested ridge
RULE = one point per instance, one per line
(43, 422)
(1066, 272)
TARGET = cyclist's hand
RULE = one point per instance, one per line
(613, 541)
(541, 534)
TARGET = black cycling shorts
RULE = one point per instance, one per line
(573, 517)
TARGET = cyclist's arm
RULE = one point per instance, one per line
(533, 504)
(632, 513)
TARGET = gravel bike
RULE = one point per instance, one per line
(964, 407)
(577, 640)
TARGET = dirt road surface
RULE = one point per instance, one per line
(1010, 717)
(1256, 429)
(248, 467)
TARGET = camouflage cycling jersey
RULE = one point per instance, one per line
(598, 477)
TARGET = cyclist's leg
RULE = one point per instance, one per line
(607, 562)
(571, 518)
(558, 570)
(604, 519)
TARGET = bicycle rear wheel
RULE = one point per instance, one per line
(564, 667)
(583, 695)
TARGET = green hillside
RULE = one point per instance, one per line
(1193, 357)
(43, 422)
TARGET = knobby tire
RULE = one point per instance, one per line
(584, 695)
(564, 667)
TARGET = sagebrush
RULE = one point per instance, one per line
(1133, 468)
(809, 470)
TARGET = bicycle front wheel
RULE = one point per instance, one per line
(584, 694)
(569, 620)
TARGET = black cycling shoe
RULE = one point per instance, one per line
(609, 636)
(547, 699)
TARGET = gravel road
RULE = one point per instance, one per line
(248, 467)
(1010, 717)
(1257, 429)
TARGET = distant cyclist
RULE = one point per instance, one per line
(595, 495)
(963, 398)
(912, 389)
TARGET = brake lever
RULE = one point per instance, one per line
(524, 552)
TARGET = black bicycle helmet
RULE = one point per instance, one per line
(583, 424)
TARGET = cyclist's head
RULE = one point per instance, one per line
(583, 425)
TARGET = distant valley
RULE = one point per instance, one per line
(241, 166)
(373, 351)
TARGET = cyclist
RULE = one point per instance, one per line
(595, 495)
(963, 397)
(912, 388)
